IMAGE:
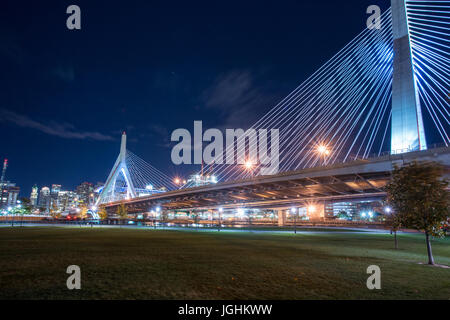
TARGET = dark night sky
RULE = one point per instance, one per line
(148, 68)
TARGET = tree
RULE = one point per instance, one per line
(394, 223)
(418, 195)
(54, 212)
(83, 212)
(164, 217)
(102, 213)
(343, 215)
(122, 211)
(26, 205)
(195, 216)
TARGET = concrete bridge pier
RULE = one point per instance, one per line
(281, 217)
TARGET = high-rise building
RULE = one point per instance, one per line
(85, 193)
(56, 188)
(34, 196)
(45, 198)
(67, 200)
(9, 194)
(8, 190)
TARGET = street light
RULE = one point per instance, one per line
(323, 151)
(220, 218)
(294, 211)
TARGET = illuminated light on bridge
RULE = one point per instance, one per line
(248, 165)
(323, 150)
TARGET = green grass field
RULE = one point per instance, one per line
(155, 264)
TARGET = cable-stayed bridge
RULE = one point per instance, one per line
(372, 98)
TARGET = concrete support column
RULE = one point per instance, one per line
(281, 217)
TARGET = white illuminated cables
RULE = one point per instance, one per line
(144, 175)
(343, 105)
(429, 27)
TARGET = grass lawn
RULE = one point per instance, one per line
(155, 264)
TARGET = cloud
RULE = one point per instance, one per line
(63, 130)
(64, 73)
(158, 132)
(237, 99)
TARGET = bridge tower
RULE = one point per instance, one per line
(120, 168)
(407, 131)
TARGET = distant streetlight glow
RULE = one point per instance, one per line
(387, 209)
(177, 180)
(220, 209)
(149, 187)
(312, 208)
(293, 210)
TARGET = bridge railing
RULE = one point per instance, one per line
(395, 152)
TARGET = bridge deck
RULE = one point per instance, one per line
(359, 179)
